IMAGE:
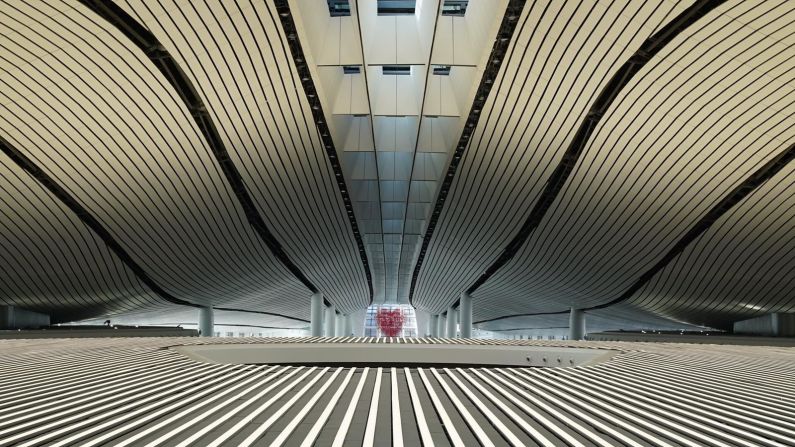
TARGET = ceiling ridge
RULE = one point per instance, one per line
(302, 67)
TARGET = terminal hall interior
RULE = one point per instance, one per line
(397, 222)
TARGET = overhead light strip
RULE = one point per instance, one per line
(492, 68)
(304, 74)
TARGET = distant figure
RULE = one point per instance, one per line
(107, 323)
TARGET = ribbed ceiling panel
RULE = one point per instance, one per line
(50, 261)
(93, 112)
(561, 56)
(238, 59)
(742, 267)
(695, 123)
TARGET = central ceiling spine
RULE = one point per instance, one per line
(397, 84)
(302, 66)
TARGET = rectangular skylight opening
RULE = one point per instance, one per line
(351, 69)
(396, 7)
(454, 7)
(396, 70)
(339, 8)
(441, 70)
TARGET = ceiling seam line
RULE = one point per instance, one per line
(648, 49)
(501, 43)
(302, 67)
(262, 312)
(168, 66)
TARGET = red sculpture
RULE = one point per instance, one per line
(390, 322)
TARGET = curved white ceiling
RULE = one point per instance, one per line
(94, 113)
(561, 56)
(117, 197)
(699, 119)
(680, 136)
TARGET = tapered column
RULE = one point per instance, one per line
(441, 328)
(206, 322)
(434, 329)
(316, 315)
(339, 328)
(452, 321)
(348, 325)
(465, 309)
(331, 320)
(576, 324)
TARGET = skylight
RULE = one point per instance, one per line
(351, 69)
(441, 70)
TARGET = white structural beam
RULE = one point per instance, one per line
(452, 322)
(339, 325)
(316, 315)
(331, 320)
(576, 324)
(465, 315)
(206, 320)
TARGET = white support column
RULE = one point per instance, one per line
(452, 321)
(316, 315)
(339, 328)
(441, 328)
(331, 320)
(576, 324)
(348, 327)
(206, 322)
(434, 325)
(465, 309)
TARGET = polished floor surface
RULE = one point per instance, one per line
(138, 391)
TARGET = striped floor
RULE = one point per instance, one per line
(135, 392)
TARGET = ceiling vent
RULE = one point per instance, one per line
(396, 7)
(396, 70)
(454, 7)
(441, 70)
(339, 8)
(351, 69)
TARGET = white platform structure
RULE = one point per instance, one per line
(123, 392)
